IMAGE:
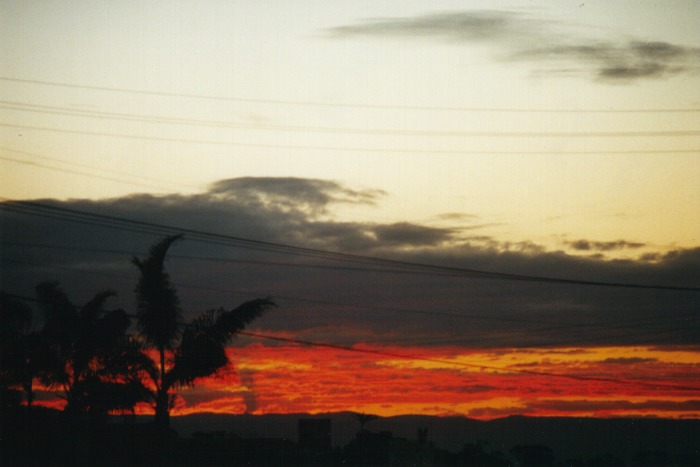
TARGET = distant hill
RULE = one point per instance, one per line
(580, 438)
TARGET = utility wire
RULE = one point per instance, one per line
(42, 209)
(87, 174)
(338, 130)
(412, 357)
(123, 177)
(471, 339)
(466, 134)
(552, 325)
(151, 182)
(627, 323)
(339, 104)
(470, 365)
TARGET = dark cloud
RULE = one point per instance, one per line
(588, 406)
(456, 216)
(404, 233)
(588, 245)
(518, 37)
(249, 397)
(614, 405)
(197, 395)
(465, 389)
(291, 192)
(627, 360)
(458, 26)
(620, 62)
(349, 302)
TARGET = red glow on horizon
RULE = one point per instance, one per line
(477, 383)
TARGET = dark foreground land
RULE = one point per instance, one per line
(45, 437)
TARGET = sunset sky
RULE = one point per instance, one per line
(538, 139)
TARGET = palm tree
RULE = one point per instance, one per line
(364, 418)
(93, 360)
(17, 351)
(185, 352)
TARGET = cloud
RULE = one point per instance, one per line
(350, 302)
(291, 192)
(587, 406)
(620, 62)
(589, 245)
(517, 37)
(404, 233)
(249, 398)
(627, 360)
(584, 405)
(456, 216)
(457, 26)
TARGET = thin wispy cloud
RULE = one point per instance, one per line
(517, 37)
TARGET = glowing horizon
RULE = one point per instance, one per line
(448, 381)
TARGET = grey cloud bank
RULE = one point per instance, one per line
(346, 302)
(518, 37)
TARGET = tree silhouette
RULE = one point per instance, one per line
(364, 418)
(91, 358)
(19, 352)
(184, 352)
(533, 455)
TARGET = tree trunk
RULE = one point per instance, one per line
(162, 400)
(162, 409)
(29, 392)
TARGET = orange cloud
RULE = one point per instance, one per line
(595, 381)
(451, 381)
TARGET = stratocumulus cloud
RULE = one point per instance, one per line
(291, 192)
(521, 38)
(347, 302)
(586, 245)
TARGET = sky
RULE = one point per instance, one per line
(537, 139)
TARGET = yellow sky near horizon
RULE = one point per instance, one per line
(106, 101)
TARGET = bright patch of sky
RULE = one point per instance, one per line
(508, 113)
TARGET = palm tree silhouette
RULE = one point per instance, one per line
(364, 418)
(19, 349)
(90, 356)
(185, 352)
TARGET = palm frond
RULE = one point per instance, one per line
(200, 354)
(111, 327)
(202, 350)
(15, 317)
(230, 322)
(157, 301)
(91, 311)
(60, 315)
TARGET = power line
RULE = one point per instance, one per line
(41, 209)
(520, 333)
(627, 323)
(466, 134)
(232, 260)
(470, 316)
(76, 172)
(481, 367)
(470, 365)
(340, 104)
(339, 130)
(512, 334)
(357, 149)
(130, 177)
